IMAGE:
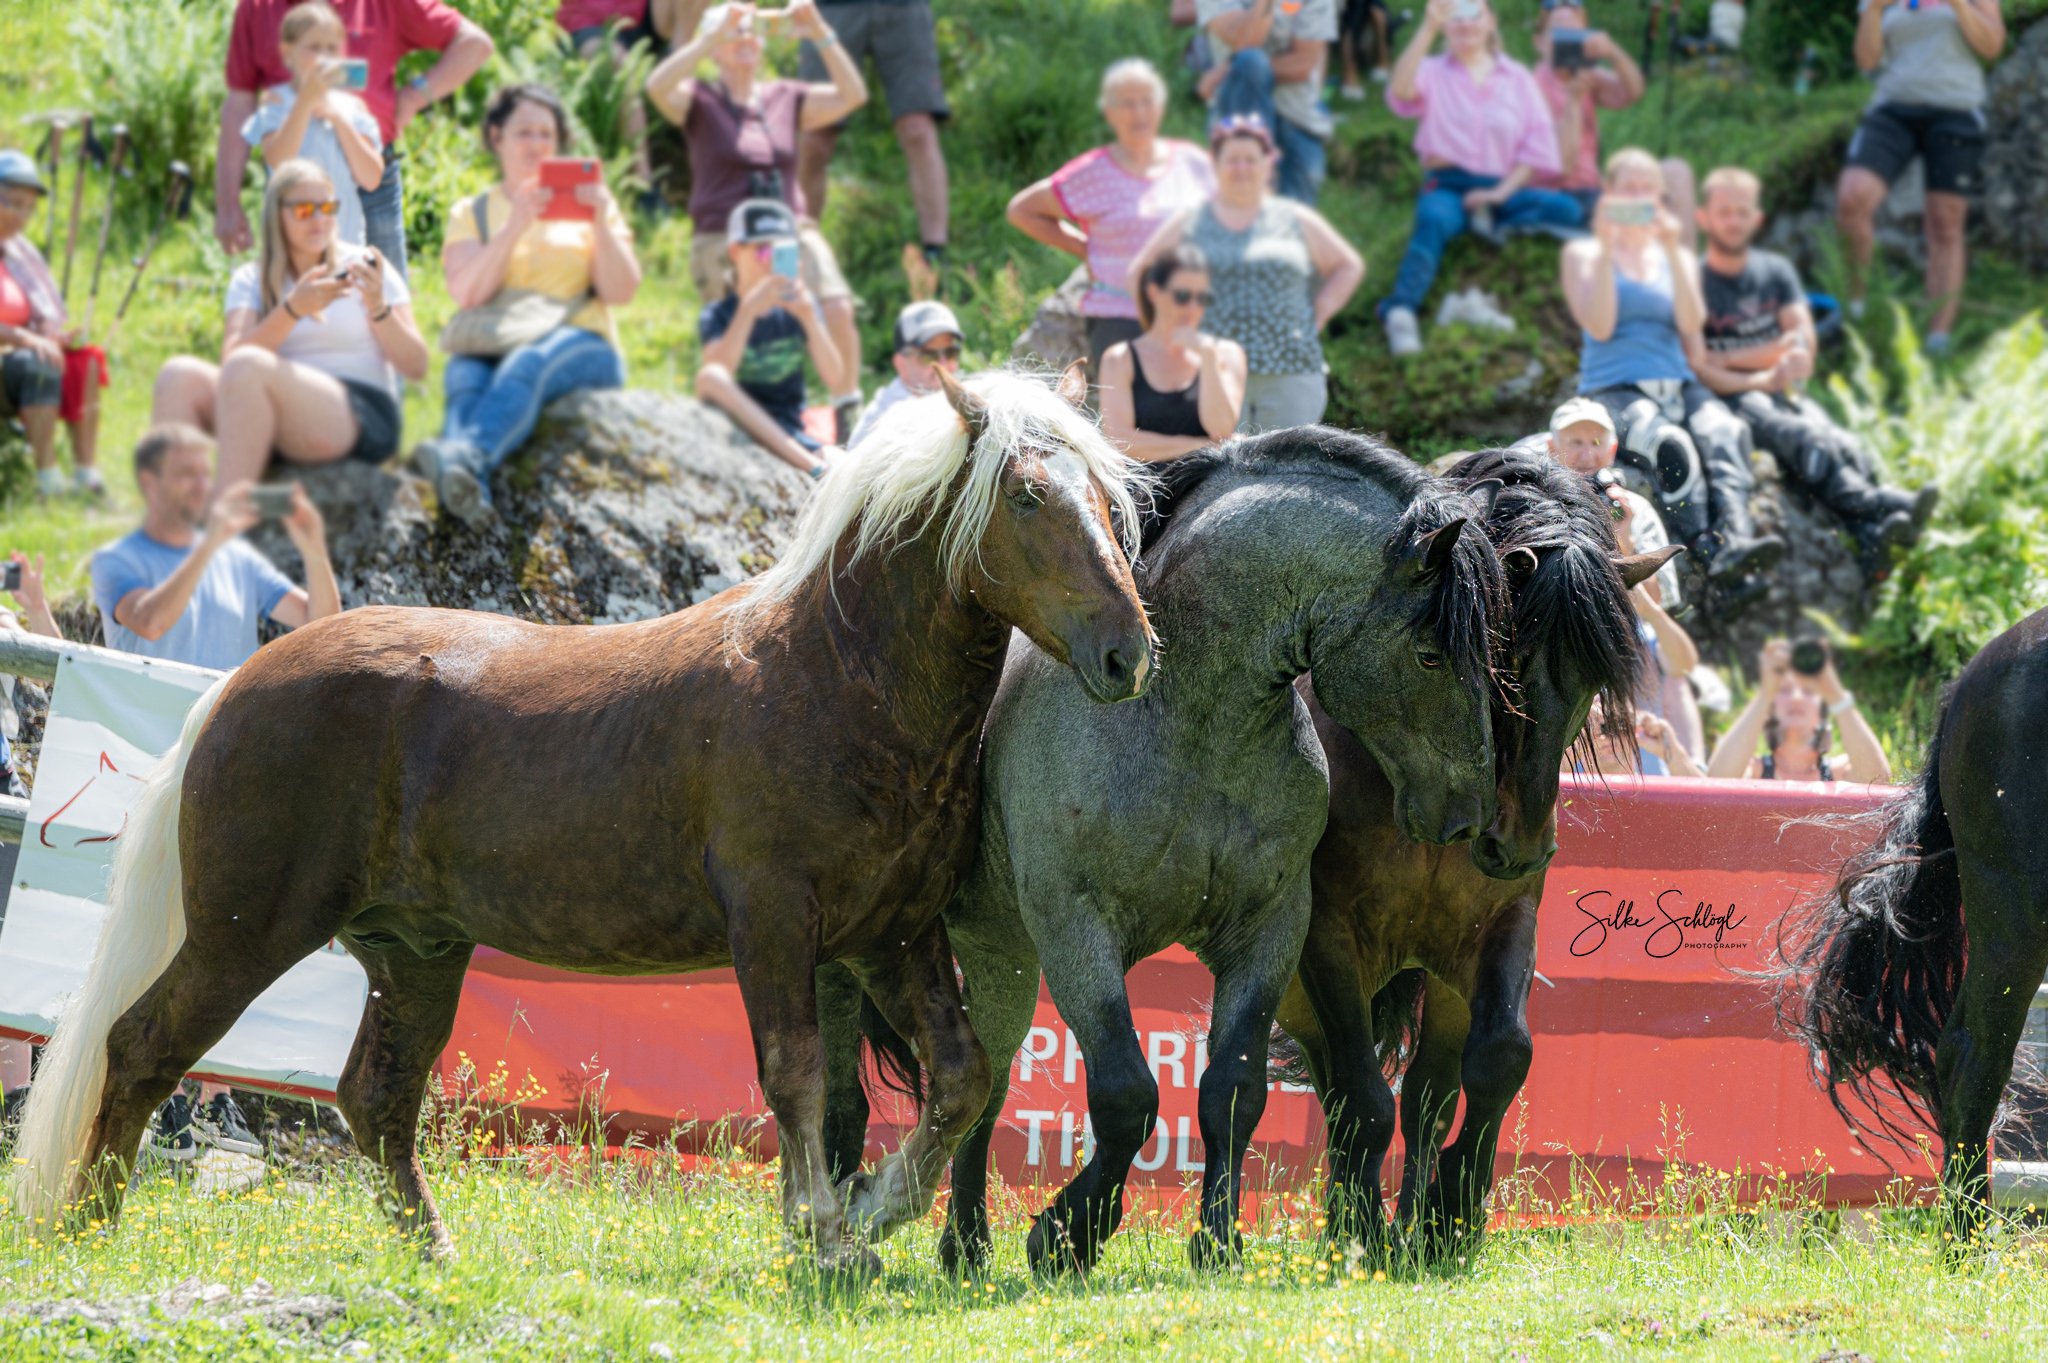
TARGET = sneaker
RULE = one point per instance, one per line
(463, 492)
(1404, 336)
(49, 483)
(89, 483)
(170, 1131)
(1353, 93)
(220, 1124)
(1380, 75)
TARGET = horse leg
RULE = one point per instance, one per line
(919, 994)
(407, 1021)
(1233, 1089)
(846, 1097)
(1358, 1105)
(1429, 1093)
(1498, 1050)
(1973, 1060)
(778, 979)
(1083, 969)
(1002, 998)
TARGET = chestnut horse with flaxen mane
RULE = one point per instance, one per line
(781, 776)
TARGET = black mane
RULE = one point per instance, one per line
(1465, 607)
(1572, 606)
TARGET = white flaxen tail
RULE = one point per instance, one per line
(144, 928)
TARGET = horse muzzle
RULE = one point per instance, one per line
(1115, 669)
(1496, 859)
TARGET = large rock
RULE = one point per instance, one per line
(2016, 159)
(624, 505)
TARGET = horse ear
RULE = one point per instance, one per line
(1520, 563)
(1636, 569)
(973, 409)
(1073, 385)
(1483, 494)
(1433, 551)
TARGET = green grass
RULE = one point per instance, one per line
(637, 1262)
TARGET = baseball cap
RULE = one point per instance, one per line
(921, 321)
(760, 220)
(18, 168)
(1574, 410)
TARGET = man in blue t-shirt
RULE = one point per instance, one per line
(756, 338)
(187, 587)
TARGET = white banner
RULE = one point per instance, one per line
(111, 717)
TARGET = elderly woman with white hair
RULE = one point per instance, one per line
(741, 131)
(1105, 204)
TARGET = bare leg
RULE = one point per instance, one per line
(919, 136)
(845, 334)
(270, 404)
(186, 390)
(1858, 195)
(918, 993)
(813, 159)
(41, 425)
(1947, 257)
(407, 1021)
(85, 432)
(717, 386)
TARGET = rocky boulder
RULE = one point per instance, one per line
(2016, 159)
(623, 505)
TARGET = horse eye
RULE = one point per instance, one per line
(1025, 497)
(1429, 658)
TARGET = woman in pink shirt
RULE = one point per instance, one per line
(1105, 204)
(1484, 131)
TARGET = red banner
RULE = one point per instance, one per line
(1652, 1050)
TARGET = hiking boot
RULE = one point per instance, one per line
(170, 1131)
(1404, 335)
(463, 491)
(1732, 596)
(220, 1124)
(1729, 557)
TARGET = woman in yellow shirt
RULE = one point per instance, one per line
(505, 239)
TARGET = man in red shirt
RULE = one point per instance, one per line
(380, 32)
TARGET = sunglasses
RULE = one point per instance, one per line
(1183, 297)
(305, 212)
(938, 354)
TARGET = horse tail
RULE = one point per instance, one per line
(143, 929)
(1397, 1018)
(894, 1059)
(1868, 971)
(1286, 1059)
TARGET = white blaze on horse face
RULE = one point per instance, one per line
(1067, 479)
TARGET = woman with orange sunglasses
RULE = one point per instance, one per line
(319, 337)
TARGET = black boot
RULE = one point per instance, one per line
(1730, 557)
(1732, 596)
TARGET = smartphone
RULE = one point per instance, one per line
(1568, 49)
(272, 502)
(10, 577)
(1629, 212)
(787, 260)
(564, 175)
(1810, 657)
(355, 73)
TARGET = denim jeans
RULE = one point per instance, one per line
(1248, 89)
(1440, 217)
(493, 404)
(384, 215)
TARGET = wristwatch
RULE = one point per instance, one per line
(419, 83)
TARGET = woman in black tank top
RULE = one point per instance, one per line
(1175, 389)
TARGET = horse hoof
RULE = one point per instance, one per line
(1049, 1250)
(1207, 1254)
(963, 1256)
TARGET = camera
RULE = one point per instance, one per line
(1603, 480)
(1568, 49)
(764, 184)
(10, 577)
(1810, 657)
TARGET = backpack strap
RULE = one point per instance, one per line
(480, 207)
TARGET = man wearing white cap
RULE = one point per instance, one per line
(1583, 439)
(927, 340)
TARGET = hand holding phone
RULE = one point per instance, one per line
(355, 74)
(1629, 212)
(787, 260)
(10, 576)
(272, 502)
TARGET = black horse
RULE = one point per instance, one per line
(1392, 917)
(1914, 975)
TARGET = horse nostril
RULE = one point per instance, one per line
(1459, 830)
(1114, 668)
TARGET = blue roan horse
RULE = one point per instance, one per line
(1190, 816)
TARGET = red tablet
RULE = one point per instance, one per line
(563, 174)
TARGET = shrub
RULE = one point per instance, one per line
(1982, 437)
(160, 69)
(1777, 37)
